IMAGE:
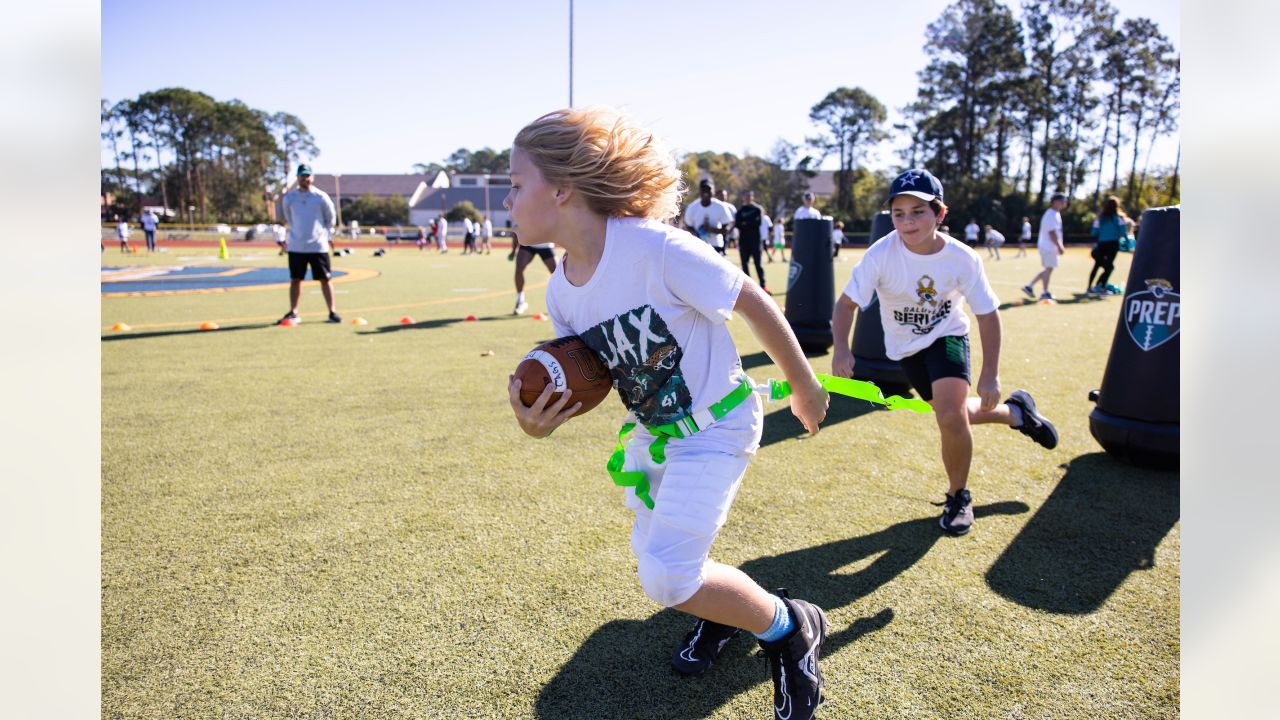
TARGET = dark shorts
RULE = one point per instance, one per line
(947, 357)
(544, 253)
(299, 261)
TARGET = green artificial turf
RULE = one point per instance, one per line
(342, 521)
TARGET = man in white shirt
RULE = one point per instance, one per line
(708, 218)
(442, 233)
(1050, 246)
(149, 221)
(971, 233)
(310, 215)
(1024, 237)
(807, 211)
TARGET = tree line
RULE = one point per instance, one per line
(1068, 98)
(205, 159)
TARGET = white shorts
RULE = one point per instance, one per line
(692, 492)
(1049, 256)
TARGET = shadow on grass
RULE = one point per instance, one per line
(188, 331)
(1060, 300)
(1102, 522)
(624, 669)
(781, 424)
(438, 323)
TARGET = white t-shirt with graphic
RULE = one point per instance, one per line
(655, 312)
(716, 214)
(920, 294)
(1052, 220)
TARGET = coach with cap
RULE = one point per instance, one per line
(309, 213)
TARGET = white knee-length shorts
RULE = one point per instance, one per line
(692, 492)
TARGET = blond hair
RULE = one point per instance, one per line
(618, 167)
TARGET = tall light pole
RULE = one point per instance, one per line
(337, 186)
(570, 53)
(486, 198)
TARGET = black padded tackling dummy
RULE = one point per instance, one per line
(869, 360)
(811, 285)
(1136, 418)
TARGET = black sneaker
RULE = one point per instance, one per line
(957, 513)
(701, 646)
(1026, 290)
(1034, 425)
(335, 317)
(291, 315)
(793, 662)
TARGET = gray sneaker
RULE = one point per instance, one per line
(957, 513)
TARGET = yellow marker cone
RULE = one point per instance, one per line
(359, 321)
(222, 249)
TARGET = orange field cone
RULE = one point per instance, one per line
(208, 325)
(359, 321)
(470, 318)
(406, 320)
(133, 249)
(121, 327)
(1048, 301)
(539, 316)
(289, 322)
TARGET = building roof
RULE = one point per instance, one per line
(824, 183)
(354, 186)
(441, 199)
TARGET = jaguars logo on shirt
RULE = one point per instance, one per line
(644, 360)
(926, 291)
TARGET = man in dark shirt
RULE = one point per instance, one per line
(747, 221)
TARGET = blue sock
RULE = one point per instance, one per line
(782, 622)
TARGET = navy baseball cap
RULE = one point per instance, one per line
(304, 169)
(916, 182)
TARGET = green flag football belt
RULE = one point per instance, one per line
(702, 419)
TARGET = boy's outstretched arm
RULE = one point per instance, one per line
(841, 324)
(989, 379)
(809, 400)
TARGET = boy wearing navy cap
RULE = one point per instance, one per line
(922, 276)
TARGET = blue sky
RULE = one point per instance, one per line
(387, 83)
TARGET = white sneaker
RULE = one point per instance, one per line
(521, 306)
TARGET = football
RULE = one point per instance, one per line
(565, 363)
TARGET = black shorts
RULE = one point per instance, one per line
(544, 253)
(947, 357)
(298, 262)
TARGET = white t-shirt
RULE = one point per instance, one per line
(486, 230)
(779, 233)
(837, 237)
(765, 224)
(716, 214)
(122, 230)
(149, 222)
(1052, 220)
(1026, 231)
(995, 237)
(655, 312)
(920, 294)
(971, 232)
(807, 213)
